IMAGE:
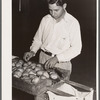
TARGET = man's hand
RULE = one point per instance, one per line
(51, 62)
(28, 55)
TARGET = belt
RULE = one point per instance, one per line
(48, 53)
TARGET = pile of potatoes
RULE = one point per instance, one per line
(32, 72)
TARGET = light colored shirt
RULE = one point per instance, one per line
(62, 38)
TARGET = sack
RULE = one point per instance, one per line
(74, 94)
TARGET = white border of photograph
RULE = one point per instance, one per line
(6, 49)
(97, 50)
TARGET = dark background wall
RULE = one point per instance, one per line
(26, 22)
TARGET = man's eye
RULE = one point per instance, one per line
(56, 10)
(50, 10)
(53, 10)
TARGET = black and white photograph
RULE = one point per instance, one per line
(54, 50)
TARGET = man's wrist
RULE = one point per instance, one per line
(57, 59)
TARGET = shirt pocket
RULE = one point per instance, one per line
(63, 41)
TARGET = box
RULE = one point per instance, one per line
(75, 93)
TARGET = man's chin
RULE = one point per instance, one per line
(55, 17)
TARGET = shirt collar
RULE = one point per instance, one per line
(66, 16)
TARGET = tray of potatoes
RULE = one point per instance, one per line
(31, 76)
(32, 72)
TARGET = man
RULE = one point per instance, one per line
(58, 37)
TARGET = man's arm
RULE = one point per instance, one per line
(36, 43)
(75, 44)
(37, 40)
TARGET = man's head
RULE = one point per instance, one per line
(57, 8)
(58, 2)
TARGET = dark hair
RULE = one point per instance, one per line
(58, 2)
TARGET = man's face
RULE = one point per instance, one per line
(56, 11)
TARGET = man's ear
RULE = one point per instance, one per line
(64, 5)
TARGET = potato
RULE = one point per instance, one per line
(50, 72)
(40, 72)
(15, 60)
(38, 65)
(18, 65)
(13, 64)
(53, 75)
(37, 69)
(46, 74)
(20, 69)
(25, 78)
(25, 65)
(28, 69)
(17, 73)
(29, 62)
(25, 74)
(32, 76)
(33, 65)
(35, 80)
(14, 69)
(42, 77)
(32, 72)
(21, 62)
